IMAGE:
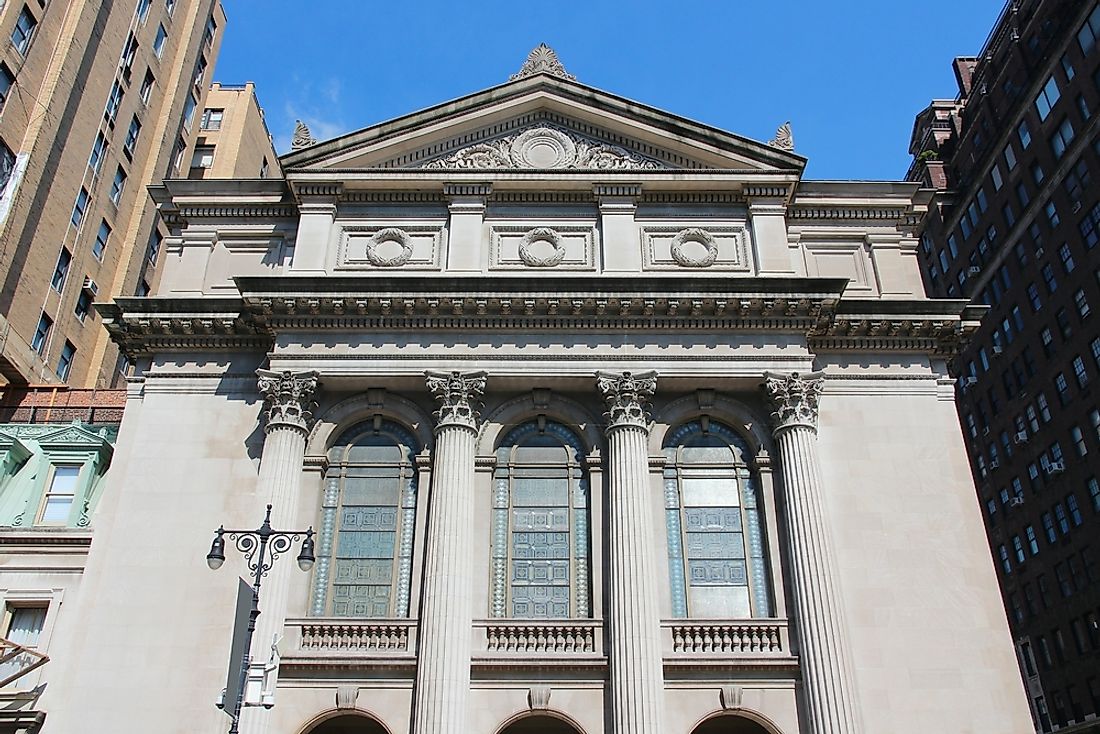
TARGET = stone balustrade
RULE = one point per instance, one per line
(321, 636)
(730, 638)
(550, 638)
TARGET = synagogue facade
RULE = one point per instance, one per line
(605, 421)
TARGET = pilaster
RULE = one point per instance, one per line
(637, 677)
(768, 221)
(619, 236)
(466, 237)
(316, 219)
(824, 653)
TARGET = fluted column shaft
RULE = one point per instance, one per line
(637, 678)
(288, 411)
(443, 658)
(824, 652)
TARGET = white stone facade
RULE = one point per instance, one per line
(546, 263)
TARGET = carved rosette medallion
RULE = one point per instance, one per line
(627, 394)
(794, 398)
(544, 147)
(458, 394)
(382, 238)
(288, 398)
(694, 238)
(538, 239)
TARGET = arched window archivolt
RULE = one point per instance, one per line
(540, 566)
(368, 518)
(716, 548)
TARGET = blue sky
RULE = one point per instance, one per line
(849, 74)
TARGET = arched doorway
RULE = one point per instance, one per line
(539, 725)
(348, 724)
(730, 725)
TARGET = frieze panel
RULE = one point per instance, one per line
(677, 247)
(391, 246)
(542, 246)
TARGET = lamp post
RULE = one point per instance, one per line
(260, 547)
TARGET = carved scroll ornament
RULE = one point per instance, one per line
(458, 394)
(544, 147)
(627, 395)
(794, 398)
(288, 398)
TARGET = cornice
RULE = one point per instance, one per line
(813, 307)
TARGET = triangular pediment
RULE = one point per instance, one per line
(75, 437)
(542, 122)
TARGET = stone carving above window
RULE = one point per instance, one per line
(545, 147)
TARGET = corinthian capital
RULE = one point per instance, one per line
(458, 394)
(794, 398)
(288, 397)
(626, 395)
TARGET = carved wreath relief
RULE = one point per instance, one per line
(376, 254)
(541, 248)
(694, 248)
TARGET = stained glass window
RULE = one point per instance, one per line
(540, 555)
(713, 519)
(368, 515)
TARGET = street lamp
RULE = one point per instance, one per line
(261, 548)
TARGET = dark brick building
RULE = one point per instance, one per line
(1015, 158)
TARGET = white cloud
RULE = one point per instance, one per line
(317, 104)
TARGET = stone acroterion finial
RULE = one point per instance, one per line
(302, 137)
(783, 139)
(542, 60)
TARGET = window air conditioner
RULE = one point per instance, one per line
(1021, 437)
(1056, 467)
(1015, 501)
(994, 464)
(973, 270)
(998, 349)
(970, 380)
(90, 286)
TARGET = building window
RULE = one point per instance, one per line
(114, 100)
(129, 52)
(1061, 385)
(212, 119)
(1010, 157)
(41, 334)
(23, 31)
(62, 270)
(155, 240)
(368, 529)
(7, 166)
(83, 304)
(24, 628)
(1024, 133)
(1082, 303)
(170, 6)
(1094, 493)
(995, 176)
(1077, 179)
(132, 136)
(1033, 297)
(1032, 541)
(1078, 438)
(101, 239)
(60, 494)
(1006, 562)
(158, 42)
(1086, 37)
(80, 207)
(65, 361)
(1049, 279)
(203, 156)
(1067, 258)
(99, 147)
(1010, 217)
(264, 168)
(143, 10)
(1022, 195)
(1047, 98)
(1083, 107)
(540, 564)
(118, 185)
(713, 519)
(1062, 137)
(1089, 227)
(7, 81)
(1052, 214)
(200, 73)
(1074, 511)
(146, 89)
(1037, 174)
(211, 29)
(1079, 372)
(189, 111)
(177, 155)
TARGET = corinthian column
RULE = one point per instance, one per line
(637, 679)
(443, 659)
(288, 409)
(823, 647)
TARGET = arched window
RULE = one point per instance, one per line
(364, 559)
(540, 564)
(715, 542)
